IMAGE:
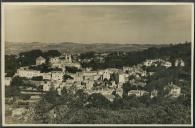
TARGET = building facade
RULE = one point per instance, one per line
(40, 60)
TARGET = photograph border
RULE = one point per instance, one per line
(90, 3)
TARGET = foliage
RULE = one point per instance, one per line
(18, 81)
(51, 53)
(72, 69)
(29, 58)
(87, 55)
(98, 100)
(38, 78)
(116, 60)
(11, 65)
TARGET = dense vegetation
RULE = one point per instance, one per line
(118, 59)
(95, 108)
(12, 62)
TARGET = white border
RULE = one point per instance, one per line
(90, 3)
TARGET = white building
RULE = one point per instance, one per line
(68, 57)
(28, 73)
(89, 84)
(179, 62)
(62, 61)
(167, 64)
(8, 81)
(127, 69)
(153, 93)
(57, 75)
(121, 78)
(148, 63)
(90, 73)
(59, 91)
(137, 93)
(106, 75)
(46, 86)
(54, 60)
(96, 77)
(46, 76)
(173, 90)
(77, 76)
(113, 83)
(40, 60)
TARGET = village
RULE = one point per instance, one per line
(107, 82)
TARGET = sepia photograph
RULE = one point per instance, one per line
(97, 64)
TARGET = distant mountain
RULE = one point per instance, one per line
(69, 47)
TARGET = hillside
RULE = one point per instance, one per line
(15, 48)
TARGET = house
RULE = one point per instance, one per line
(46, 76)
(137, 93)
(8, 81)
(179, 62)
(106, 75)
(148, 63)
(40, 60)
(113, 83)
(88, 69)
(46, 86)
(54, 60)
(121, 78)
(59, 91)
(127, 69)
(57, 76)
(28, 73)
(70, 81)
(77, 77)
(68, 57)
(167, 64)
(119, 91)
(153, 93)
(172, 90)
(89, 84)
(90, 73)
(56, 84)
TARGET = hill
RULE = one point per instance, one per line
(69, 47)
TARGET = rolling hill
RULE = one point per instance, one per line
(69, 47)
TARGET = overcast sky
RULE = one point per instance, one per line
(98, 24)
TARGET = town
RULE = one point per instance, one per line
(101, 81)
(68, 73)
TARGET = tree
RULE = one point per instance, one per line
(11, 65)
(52, 53)
(98, 100)
(17, 81)
(72, 69)
(29, 58)
(38, 78)
(87, 55)
(126, 88)
(53, 97)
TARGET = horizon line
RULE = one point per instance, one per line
(119, 43)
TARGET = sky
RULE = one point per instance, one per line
(98, 23)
